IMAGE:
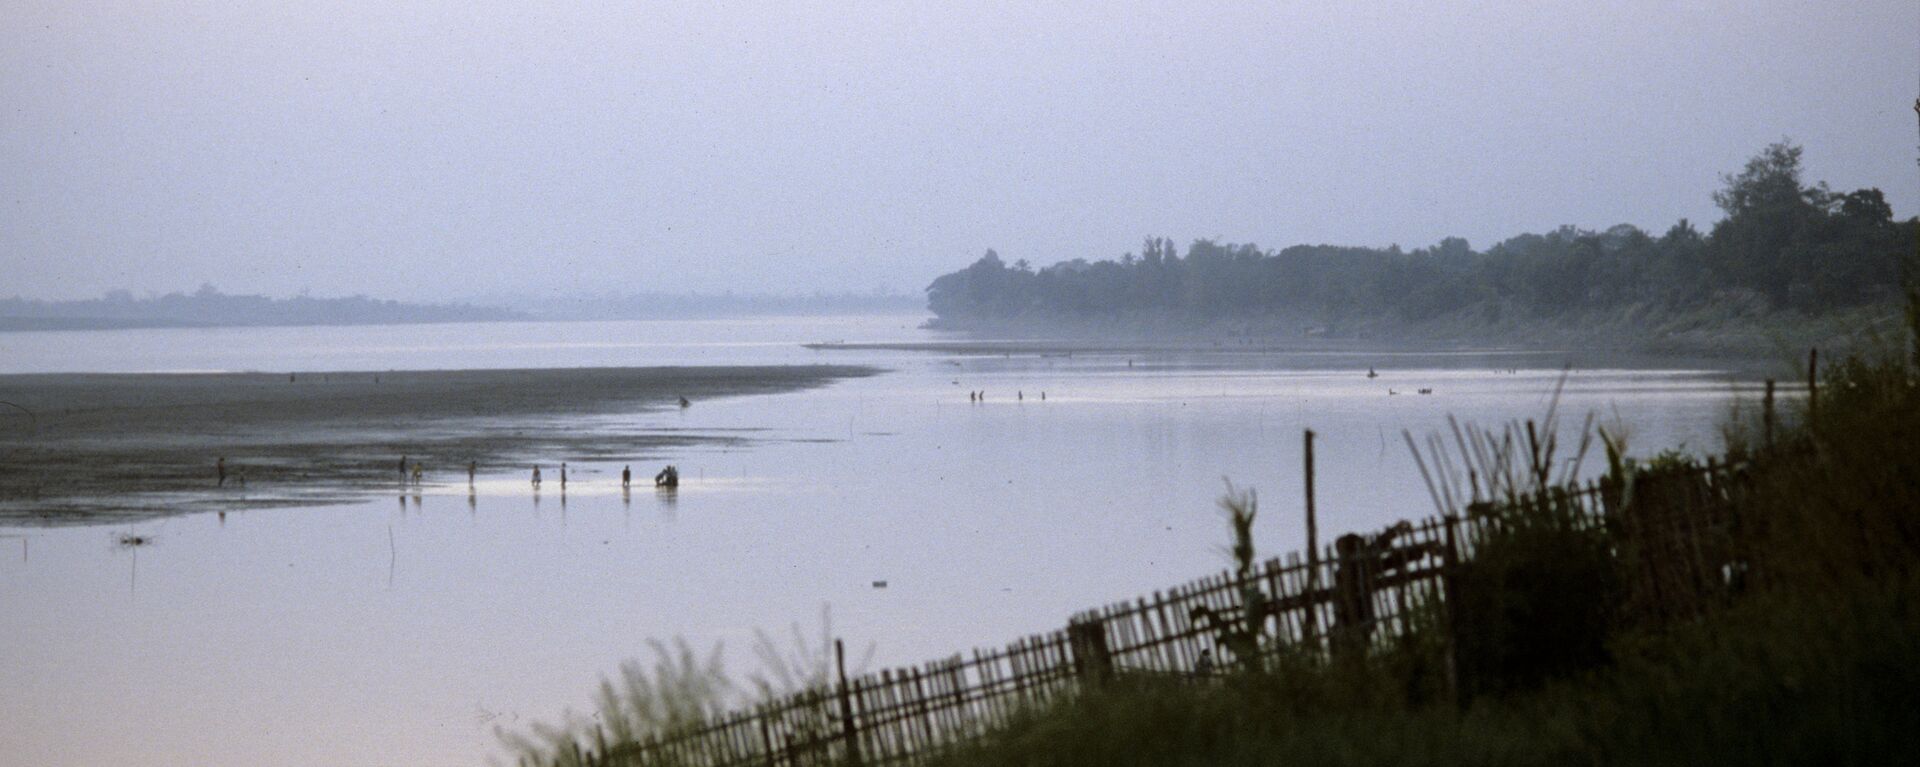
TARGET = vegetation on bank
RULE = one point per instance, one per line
(208, 307)
(1546, 650)
(1815, 660)
(680, 690)
(1785, 249)
(1807, 651)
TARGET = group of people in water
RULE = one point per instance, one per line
(414, 473)
(668, 477)
(1020, 396)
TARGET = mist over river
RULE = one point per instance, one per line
(403, 629)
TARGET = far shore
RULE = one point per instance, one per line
(84, 448)
(1337, 354)
(1728, 332)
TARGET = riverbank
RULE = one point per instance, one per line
(84, 448)
(1751, 607)
(1802, 651)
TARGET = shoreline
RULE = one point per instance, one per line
(91, 448)
(1339, 354)
(1732, 332)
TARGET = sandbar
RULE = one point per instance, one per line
(85, 448)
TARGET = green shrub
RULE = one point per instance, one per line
(1537, 601)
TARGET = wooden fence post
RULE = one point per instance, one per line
(1352, 595)
(1313, 554)
(846, 706)
(1766, 416)
(1813, 385)
(766, 736)
(1450, 596)
(1092, 661)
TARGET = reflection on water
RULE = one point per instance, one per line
(986, 520)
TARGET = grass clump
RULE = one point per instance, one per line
(1781, 679)
(1537, 601)
(681, 690)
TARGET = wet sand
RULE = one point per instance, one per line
(99, 447)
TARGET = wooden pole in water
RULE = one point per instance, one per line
(1813, 384)
(1766, 416)
(1313, 553)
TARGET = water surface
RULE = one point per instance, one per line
(401, 630)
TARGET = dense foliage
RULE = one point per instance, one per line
(1783, 244)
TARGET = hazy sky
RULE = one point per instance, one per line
(447, 149)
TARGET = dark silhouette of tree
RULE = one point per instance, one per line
(1782, 242)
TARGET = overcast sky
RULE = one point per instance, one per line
(449, 149)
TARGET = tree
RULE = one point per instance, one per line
(1771, 179)
(1760, 243)
(1798, 245)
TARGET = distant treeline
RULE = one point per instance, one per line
(643, 306)
(1782, 245)
(209, 307)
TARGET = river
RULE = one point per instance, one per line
(402, 630)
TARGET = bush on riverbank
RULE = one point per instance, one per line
(1781, 679)
(1814, 662)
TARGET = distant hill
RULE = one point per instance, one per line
(208, 307)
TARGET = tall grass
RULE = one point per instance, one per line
(1813, 659)
(681, 689)
(1838, 499)
(1240, 634)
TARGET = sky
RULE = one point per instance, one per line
(440, 150)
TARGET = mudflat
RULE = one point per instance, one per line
(84, 448)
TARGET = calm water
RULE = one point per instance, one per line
(400, 631)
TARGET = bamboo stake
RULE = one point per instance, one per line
(1766, 418)
(846, 705)
(1313, 548)
(1813, 384)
